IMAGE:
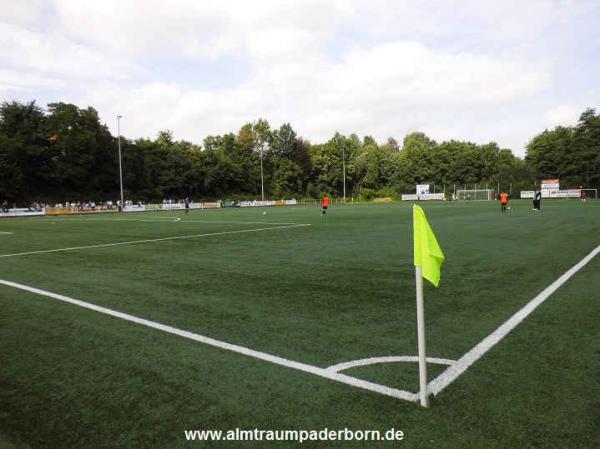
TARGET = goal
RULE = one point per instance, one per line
(475, 195)
(591, 193)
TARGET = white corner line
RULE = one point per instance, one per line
(321, 372)
(133, 242)
(386, 359)
(455, 370)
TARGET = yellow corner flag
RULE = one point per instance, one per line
(428, 254)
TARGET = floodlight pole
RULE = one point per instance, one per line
(344, 169)
(120, 163)
(262, 180)
(421, 339)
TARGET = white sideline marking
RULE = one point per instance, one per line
(5, 233)
(132, 242)
(387, 359)
(321, 372)
(456, 369)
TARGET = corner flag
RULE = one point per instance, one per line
(428, 254)
(428, 263)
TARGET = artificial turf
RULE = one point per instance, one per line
(338, 290)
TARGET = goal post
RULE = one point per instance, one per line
(475, 195)
(590, 192)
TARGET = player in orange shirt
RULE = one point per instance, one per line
(504, 200)
(324, 204)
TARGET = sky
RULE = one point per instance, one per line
(482, 71)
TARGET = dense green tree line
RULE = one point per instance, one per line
(569, 153)
(65, 153)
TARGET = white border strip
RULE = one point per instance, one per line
(321, 372)
(452, 373)
(132, 242)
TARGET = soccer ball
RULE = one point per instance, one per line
(508, 207)
(264, 213)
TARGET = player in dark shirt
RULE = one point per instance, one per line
(537, 200)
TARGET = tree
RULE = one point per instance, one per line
(328, 164)
(291, 162)
(85, 152)
(571, 154)
(66, 153)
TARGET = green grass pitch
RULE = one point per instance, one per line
(338, 290)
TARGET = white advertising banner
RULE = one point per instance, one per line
(422, 197)
(432, 196)
(257, 203)
(551, 184)
(553, 193)
(149, 207)
(175, 206)
(135, 208)
(422, 189)
(22, 213)
(572, 193)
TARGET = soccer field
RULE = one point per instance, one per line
(258, 312)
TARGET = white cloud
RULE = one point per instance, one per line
(52, 54)
(564, 115)
(24, 12)
(144, 29)
(375, 67)
(12, 81)
(410, 84)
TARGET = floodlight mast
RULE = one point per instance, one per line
(262, 180)
(344, 168)
(120, 163)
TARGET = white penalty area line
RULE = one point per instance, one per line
(462, 364)
(315, 370)
(163, 239)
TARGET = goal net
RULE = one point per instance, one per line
(480, 195)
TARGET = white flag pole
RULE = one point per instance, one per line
(421, 338)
